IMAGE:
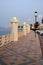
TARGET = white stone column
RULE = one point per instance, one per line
(14, 22)
(24, 28)
(28, 28)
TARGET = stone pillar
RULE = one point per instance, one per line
(14, 22)
(24, 28)
(28, 28)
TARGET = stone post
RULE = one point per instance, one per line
(14, 22)
(24, 28)
(28, 28)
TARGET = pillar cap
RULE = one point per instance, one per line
(27, 24)
(24, 23)
(14, 20)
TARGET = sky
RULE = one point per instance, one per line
(21, 9)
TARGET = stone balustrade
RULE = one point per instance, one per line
(20, 34)
(15, 35)
(6, 39)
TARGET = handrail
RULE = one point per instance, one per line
(6, 39)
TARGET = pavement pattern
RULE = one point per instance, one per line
(26, 51)
(41, 44)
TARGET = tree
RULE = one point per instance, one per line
(22, 26)
(18, 26)
(42, 20)
(31, 26)
(36, 24)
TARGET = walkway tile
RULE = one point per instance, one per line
(26, 51)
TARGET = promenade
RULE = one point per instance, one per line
(41, 43)
(26, 51)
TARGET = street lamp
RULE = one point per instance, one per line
(35, 16)
(35, 24)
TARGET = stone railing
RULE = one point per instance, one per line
(20, 34)
(6, 39)
(15, 35)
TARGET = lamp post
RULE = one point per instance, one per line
(35, 22)
(35, 16)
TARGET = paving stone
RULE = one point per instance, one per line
(26, 51)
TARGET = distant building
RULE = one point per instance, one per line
(40, 26)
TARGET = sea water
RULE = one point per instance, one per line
(5, 31)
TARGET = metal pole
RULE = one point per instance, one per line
(35, 22)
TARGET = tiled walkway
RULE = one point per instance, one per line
(24, 52)
(41, 43)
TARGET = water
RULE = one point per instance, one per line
(4, 31)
